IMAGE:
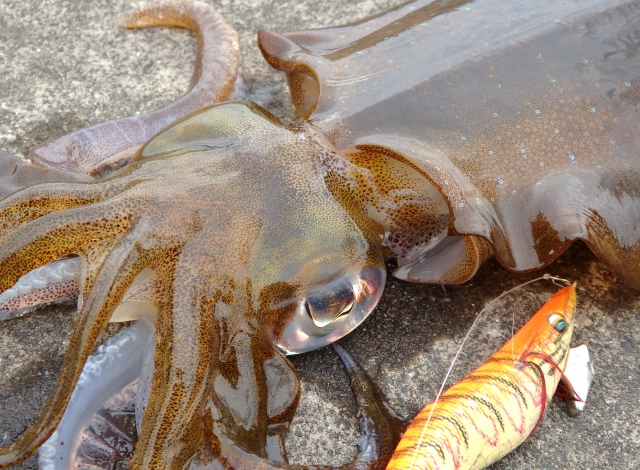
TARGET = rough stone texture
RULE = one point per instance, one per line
(64, 64)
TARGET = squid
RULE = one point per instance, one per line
(241, 240)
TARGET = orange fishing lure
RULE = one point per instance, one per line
(496, 407)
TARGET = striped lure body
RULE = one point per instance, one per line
(496, 407)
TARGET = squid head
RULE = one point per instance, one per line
(286, 225)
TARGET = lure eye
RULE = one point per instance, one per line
(558, 322)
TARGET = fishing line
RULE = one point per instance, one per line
(545, 277)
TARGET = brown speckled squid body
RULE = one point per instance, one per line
(435, 133)
(522, 114)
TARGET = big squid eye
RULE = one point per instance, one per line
(327, 306)
(331, 310)
(558, 322)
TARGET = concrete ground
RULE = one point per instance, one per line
(64, 64)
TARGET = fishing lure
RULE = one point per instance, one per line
(496, 407)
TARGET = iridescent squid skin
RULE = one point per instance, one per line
(247, 240)
(226, 284)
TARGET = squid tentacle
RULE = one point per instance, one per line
(380, 427)
(216, 69)
(16, 174)
(183, 372)
(40, 200)
(29, 247)
(53, 282)
(380, 430)
(108, 372)
(280, 423)
(113, 279)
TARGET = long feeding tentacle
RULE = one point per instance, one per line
(380, 427)
(116, 274)
(216, 70)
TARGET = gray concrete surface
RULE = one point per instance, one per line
(64, 64)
